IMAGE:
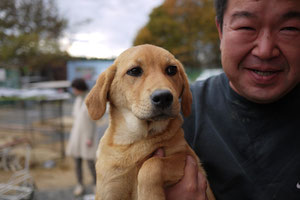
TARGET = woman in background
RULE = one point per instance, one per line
(82, 143)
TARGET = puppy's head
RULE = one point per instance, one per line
(146, 80)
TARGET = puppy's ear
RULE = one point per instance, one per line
(97, 97)
(186, 97)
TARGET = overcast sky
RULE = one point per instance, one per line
(103, 28)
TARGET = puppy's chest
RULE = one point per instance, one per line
(129, 133)
(131, 129)
(125, 148)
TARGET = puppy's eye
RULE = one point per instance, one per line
(171, 70)
(136, 71)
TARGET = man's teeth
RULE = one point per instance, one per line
(261, 73)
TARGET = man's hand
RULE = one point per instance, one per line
(193, 184)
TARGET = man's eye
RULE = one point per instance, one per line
(171, 70)
(135, 71)
(290, 28)
(247, 28)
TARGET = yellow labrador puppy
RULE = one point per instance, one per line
(146, 87)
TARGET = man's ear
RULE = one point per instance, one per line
(218, 25)
(97, 97)
(220, 31)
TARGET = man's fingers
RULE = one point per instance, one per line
(191, 174)
(192, 186)
(202, 182)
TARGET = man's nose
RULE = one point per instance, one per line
(266, 46)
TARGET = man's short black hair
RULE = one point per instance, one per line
(220, 6)
(79, 84)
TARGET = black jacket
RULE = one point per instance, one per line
(249, 150)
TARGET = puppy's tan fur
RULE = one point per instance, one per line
(125, 168)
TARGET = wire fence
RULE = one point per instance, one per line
(45, 124)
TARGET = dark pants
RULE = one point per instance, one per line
(78, 166)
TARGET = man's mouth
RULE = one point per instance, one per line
(264, 73)
(266, 76)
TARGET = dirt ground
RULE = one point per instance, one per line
(61, 176)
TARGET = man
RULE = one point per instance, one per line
(245, 125)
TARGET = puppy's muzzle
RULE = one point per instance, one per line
(161, 99)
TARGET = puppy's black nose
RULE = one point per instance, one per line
(162, 98)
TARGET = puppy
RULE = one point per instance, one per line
(146, 87)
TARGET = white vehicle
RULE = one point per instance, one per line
(208, 73)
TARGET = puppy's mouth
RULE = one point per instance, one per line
(156, 115)
(160, 117)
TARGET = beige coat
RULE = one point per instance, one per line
(83, 129)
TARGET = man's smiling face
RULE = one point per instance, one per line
(260, 47)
